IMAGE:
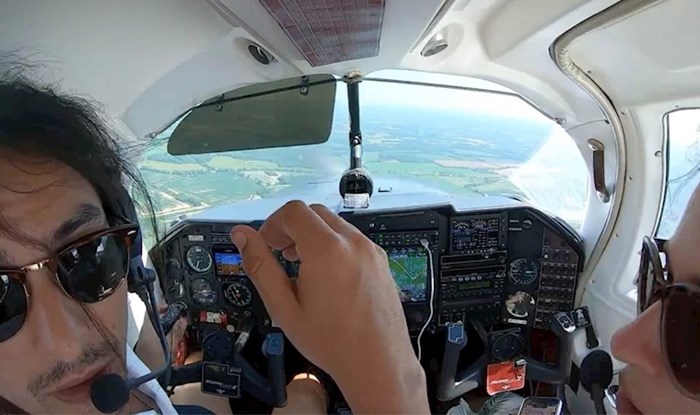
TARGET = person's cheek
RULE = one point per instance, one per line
(119, 314)
(112, 315)
(13, 381)
(638, 344)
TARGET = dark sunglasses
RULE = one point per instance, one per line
(680, 315)
(87, 270)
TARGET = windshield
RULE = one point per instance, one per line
(415, 139)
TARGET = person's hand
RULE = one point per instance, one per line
(343, 312)
(176, 338)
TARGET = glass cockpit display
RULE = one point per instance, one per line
(476, 233)
(228, 263)
(409, 267)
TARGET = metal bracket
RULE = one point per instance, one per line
(220, 105)
(353, 77)
(599, 169)
(304, 87)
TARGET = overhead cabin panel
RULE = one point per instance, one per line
(330, 32)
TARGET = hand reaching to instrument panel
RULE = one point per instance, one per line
(342, 312)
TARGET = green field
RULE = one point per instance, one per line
(233, 163)
(228, 179)
(172, 168)
(464, 155)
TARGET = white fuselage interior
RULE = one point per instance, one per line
(602, 69)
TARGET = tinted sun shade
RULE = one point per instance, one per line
(288, 112)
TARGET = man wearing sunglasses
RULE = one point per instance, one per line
(66, 239)
(662, 345)
(65, 248)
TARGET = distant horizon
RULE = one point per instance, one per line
(451, 150)
(381, 93)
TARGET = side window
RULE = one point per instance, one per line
(683, 167)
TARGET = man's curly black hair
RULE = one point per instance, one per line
(39, 120)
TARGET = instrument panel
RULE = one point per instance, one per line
(510, 265)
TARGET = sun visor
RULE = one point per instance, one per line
(289, 112)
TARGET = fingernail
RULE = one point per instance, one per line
(240, 240)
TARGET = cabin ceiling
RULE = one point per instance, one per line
(146, 62)
(651, 56)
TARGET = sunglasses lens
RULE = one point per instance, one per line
(13, 306)
(651, 278)
(681, 325)
(92, 271)
(645, 280)
(649, 283)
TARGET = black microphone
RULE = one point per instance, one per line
(596, 374)
(109, 393)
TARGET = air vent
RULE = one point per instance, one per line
(435, 45)
(260, 54)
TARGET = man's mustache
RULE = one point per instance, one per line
(59, 369)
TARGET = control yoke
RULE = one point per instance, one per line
(452, 385)
(225, 372)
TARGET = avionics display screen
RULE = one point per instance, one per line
(474, 285)
(409, 267)
(228, 262)
(476, 233)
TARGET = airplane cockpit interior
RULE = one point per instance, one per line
(508, 156)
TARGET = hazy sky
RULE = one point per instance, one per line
(442, 98)
(684, 125)
(381, 93)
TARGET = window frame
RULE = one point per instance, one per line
(666, 149)
(625, 285)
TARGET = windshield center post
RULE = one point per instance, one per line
(355, 184)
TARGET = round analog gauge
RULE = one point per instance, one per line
(238, 294)
(523, 271)
(202, 292)
(173, 269)
(520, 304)
(506, 347)
(198, 259)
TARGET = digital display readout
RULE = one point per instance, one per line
(228, 263)
(473, 285)
(476, 233)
